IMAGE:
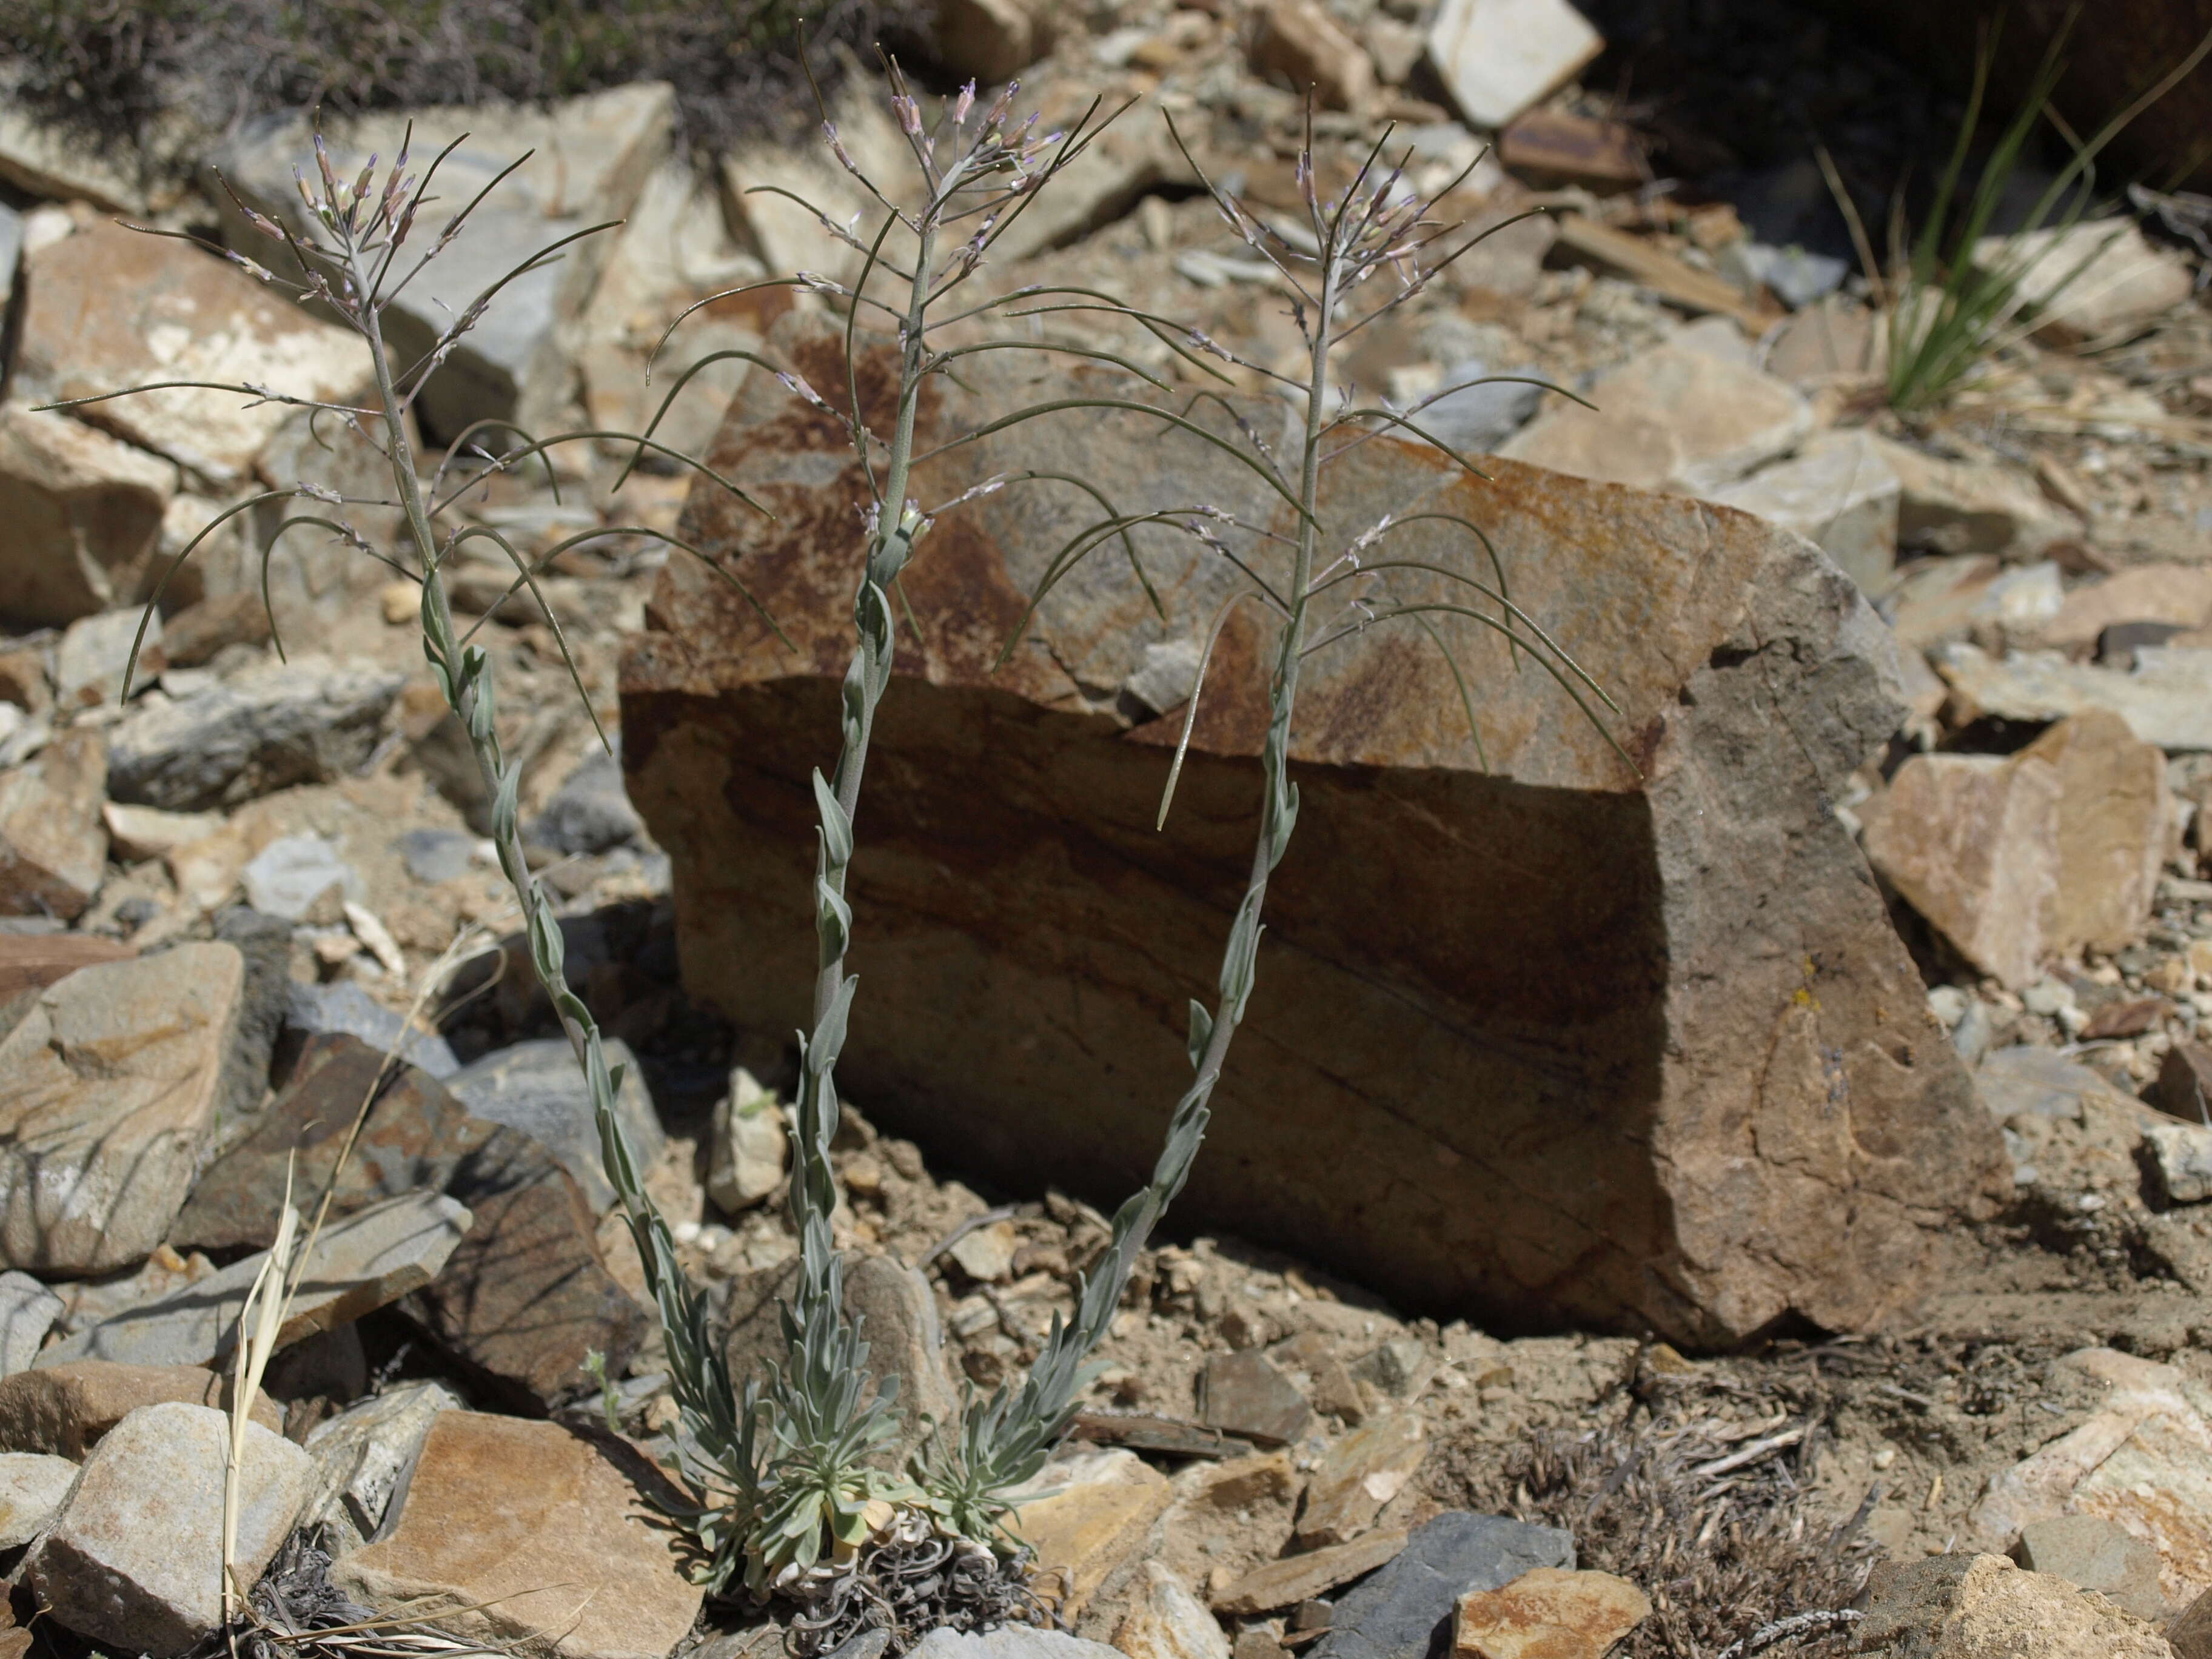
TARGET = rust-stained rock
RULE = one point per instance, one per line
(1555, 1037)
(31, 961)
(63, 1411)
(1548, 1612)
(528, 1535)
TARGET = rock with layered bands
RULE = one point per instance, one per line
(1547, 1031)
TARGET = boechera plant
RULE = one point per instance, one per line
(793, 1493)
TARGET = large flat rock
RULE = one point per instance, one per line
(533, 1537)
(358, 1265)
(113, 308)
(1540, 1035)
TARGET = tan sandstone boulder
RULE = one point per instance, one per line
(1543, 1031)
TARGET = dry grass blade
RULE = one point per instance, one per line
(259, 1319)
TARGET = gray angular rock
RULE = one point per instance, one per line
(94, 651)
(1966, 507)
(363, 1457)
(589, 812)
(2091, 278)
(436, 855)
(2166, 698)
(2026, 1081)
(1838, 492)
(521, 1300)
(2097, 1555)
(1481, 413)
(1010, 1642)
(749, 1146)
(1246, 1393)
(135, 1556)
(27, 1312)
(370, 1259)
(32, 1487)
(1405, 1611)
(536, 1088)
(109, 1086)
(2182, 1153)
(343, 1006)
(302, 878)
(306, 722)
(266, 943)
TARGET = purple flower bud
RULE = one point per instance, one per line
(961, 105)
(908, 113)
(800, 388)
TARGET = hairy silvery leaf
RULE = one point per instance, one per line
(836, 828)
(1202, 1031)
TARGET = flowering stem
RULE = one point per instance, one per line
(698, 1367)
